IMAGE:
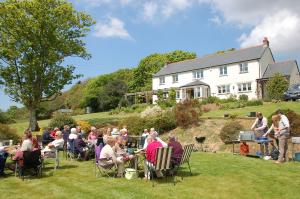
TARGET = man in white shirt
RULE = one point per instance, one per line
(260, 127)
(58, 143)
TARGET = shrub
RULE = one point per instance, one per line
(151, 111)
(187, 113)
(243, 97)
(276, 86)
(230, 131)
(254, 103)
(60, 119)
(210, 100)
(85, 125)
(294, 120)
(136, 125)
(6, 133)
(104, 121)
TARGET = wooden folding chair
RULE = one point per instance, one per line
(187, 151)
(163, 161)
(100, 168)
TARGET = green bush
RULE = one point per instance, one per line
(230, 131)
(210, 100)
(136, 125)
(187, 113)
(243, 97)
(276, 86)
(104, 121)
(60, 119)
(294, 120)
(254, 103)
(6, 133)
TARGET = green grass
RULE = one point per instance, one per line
(266, 109)
(218, 175)
(101, 117)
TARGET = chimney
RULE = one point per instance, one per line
(266, 42)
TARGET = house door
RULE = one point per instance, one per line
(190, 93)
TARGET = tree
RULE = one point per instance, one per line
(151, 64)
(36, 37)
(276, 86)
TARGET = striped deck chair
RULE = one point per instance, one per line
(187, 151)
(163, 161)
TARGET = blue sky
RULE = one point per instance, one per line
(128, 30)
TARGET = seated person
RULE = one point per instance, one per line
(25, 146)
(66, 133)
(177, 150)
(52, 133)
(3, 156)
(92, 137)
(58, 143)
(153, 133)
(100, 140)
(150, 161)
(115, 132)
(46, 136)
(81, 148)
(120, 151)
(108, 156)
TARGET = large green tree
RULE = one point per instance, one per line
(36, 36)
(151, 64)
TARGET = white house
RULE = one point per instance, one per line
(234, 72)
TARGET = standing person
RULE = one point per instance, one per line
(260, 127)
(46, 136)
(281, 127)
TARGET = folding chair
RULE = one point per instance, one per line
(54, 155)
(103, 169)
(187, 151)
(163, 161)
(71, 151)
(31, 160)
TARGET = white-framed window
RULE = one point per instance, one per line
(198, 74)
(177, 94)
(175, 78)
(223, 89)
(162, 80)
(244, 67)
(223, 70)
(197, 92)
(244, 87)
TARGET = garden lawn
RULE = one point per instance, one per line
(267, 108)
(219, 175)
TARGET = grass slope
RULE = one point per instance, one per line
(215, 176)
(266, 109)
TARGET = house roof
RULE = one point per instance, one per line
(284, 68)
(235, 56)
(194, 83)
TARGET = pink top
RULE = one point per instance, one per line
(151, 151)
(92, 136)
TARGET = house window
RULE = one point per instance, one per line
(198, 92)
(177, 94)
(198, 74)
(161, 80)
(175, 78)
(244, 67)
(223, 70)
(244, 87)
(223, 89)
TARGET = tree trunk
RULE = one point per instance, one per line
(33, 124)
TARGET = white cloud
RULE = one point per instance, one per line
(216, 20)
(113, 27)
(279, 20)
(281, 28)
(172, 6)
(149, 10)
